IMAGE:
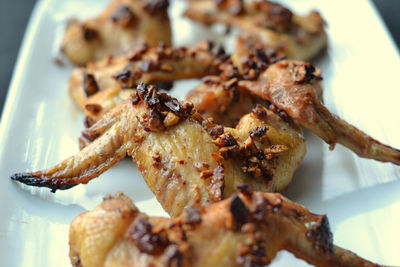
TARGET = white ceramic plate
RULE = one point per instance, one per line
(40, 126)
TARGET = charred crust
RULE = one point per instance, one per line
(260, 112)
(281, 113)
(192, 216)
(252, 251)
(213, 129)
(254, 160)
(146, 60)
(217, 183)
(147, 241)
(258, 131)
(245, 189)
(164, 110)
(89, 34)
(88, 122)
(174, 105)
(258, 58)
(53, 184)
(225, 140)
(174, 257)
(240, 213)
(156, 160)
(303, 72)
(155, 121)
(126, 78)
(206, 174)
(155, 6)
(89, 84)
(252, 255)
(263, 207)
(124, 16)
(229, 71)
(321, 236)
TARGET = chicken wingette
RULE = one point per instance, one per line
(265, 22)
(183, 158)
(101, 85)
(121, 26)
(247, 229)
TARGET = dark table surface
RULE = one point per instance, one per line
(14, 16)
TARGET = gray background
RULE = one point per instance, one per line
(14, 16)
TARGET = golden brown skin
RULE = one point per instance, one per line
(97, 87)
(122, 25)
(294, 86)
(183, 158)
(244, 230)
(266, 23)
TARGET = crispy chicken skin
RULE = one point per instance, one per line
(266, 23)
(184, 158)
(121, 26)
(294, 92)
(98, 87)
(247, 229)
(294, 87)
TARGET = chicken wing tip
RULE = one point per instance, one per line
(30, 179)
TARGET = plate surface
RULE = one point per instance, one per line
(40, 126)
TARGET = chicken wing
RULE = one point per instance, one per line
(244, 230)
(184, 158)
(97, 87)
(293, 86)
(299, 37)
(121, 26)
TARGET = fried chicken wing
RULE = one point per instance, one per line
(266, 23)
(293, 86)
(97, 87)
(290, 88)
(184, 158)
(244, 230)
(121, 26)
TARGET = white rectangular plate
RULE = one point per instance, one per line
(40, 126)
